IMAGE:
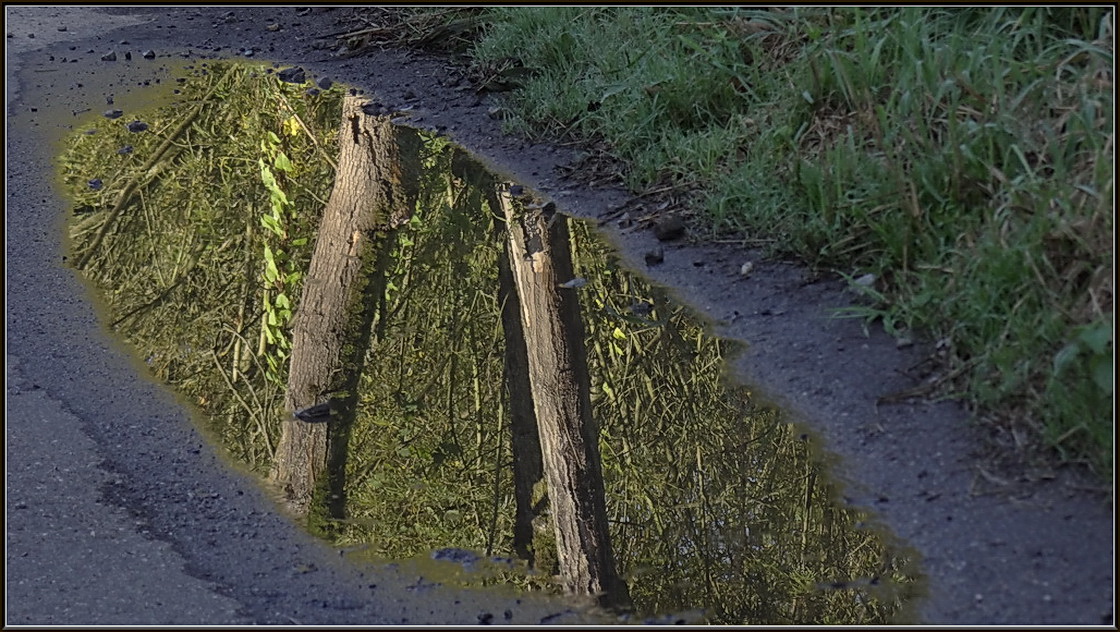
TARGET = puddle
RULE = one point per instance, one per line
(382, 308)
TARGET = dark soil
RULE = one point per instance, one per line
(1000, 545)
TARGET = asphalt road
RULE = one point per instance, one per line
(118, 510)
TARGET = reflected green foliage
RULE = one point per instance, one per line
(199, 233)
(964, 156)
(715, 499)
(715, 502)
(281, 272)
(430, 435)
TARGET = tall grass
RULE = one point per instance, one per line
(962, 155)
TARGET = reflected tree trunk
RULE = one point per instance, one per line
(526, 444)
(374, 191)
(540, 258)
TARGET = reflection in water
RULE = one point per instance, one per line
(203, 240)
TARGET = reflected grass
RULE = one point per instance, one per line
(715, 502)
(964, 156)
(173, 236)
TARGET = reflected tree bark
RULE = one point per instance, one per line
(526, 444)
(540, 258)
(375, 190)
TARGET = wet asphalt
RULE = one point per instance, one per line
(119, 511)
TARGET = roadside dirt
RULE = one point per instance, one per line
(999, 547)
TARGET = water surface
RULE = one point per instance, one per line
(198, 222)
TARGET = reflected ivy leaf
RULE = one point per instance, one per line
(279, 200)
(282, 163)
(271, 273)
(273, 225)
(291, 126)
(618, 334)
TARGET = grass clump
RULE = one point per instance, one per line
(964, 156)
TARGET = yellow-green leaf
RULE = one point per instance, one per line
(291, 126)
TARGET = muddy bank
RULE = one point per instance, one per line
(997, 550)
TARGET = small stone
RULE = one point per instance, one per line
(495, 112)
(746, 269)
(641, 308)
(273, 27)
(148, 54)
(669, 228)
(654, 257)
(137, 126)
(95, 184)
(292, 75)
(110, 56)
(324, 83)
(903, 343)
(866, 280)
(62, 29)
(112, 114)
(109, 100)
(311, 92)
(128, 55)
(127, 149)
